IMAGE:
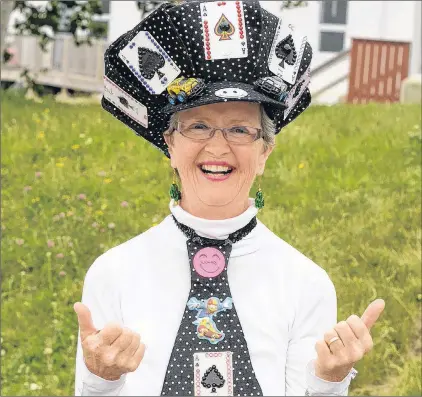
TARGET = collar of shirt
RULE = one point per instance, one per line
(219, 229)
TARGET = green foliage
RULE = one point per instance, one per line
(343, 186)
(78, 15)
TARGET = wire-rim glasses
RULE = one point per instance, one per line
(199, 131)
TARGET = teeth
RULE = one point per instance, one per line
(215, 168)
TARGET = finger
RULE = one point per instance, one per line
(357, 326)
(334, 346)
(110, 333)
(346, 334)
(86, 324)
(372, 312)
(133, 346)
(323, 352)
(132, 362)
(139, 354)
(124, 340)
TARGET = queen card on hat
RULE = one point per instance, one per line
(224, 31)
(286, 52)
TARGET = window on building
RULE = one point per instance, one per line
(334, 11)
(105, 6)
(331, 41)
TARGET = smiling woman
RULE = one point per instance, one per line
(218, 165)
(224, 305)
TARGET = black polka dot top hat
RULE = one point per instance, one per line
(198, 53)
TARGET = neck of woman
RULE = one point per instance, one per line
(214, 212)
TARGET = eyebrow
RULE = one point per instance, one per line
(207, 120)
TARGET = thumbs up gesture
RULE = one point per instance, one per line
(110, 352)
(346, 343)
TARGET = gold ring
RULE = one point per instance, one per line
(332, 340)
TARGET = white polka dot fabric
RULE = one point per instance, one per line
(178, 30)
(210, 323)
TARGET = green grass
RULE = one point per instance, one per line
(343, 187)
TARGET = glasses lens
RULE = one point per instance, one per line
(241, 134)
(197, 131)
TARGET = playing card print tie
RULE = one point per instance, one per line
(210, 356)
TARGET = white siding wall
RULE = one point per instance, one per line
(398, 20)
(124, 15)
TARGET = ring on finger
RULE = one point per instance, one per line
(332, 340)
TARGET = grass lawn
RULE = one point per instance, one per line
(343, 187)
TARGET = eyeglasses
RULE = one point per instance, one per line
(236, 134)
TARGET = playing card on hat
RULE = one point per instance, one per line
(148, 61)
(286, 52)
(224, 31)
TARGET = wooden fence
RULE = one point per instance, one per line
(377, 69)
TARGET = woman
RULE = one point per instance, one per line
(224, 306)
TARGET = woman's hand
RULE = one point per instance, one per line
(110, 352)
(335, 362)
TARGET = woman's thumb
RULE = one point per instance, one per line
(85, 320)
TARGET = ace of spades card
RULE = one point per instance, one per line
(286, 52)
(148, 61)
(224, 31)
(296, 92)
(213, 373)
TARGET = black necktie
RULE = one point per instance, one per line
(210, 356)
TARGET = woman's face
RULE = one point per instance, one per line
(197, 161)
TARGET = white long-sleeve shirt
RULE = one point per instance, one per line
(285, 303)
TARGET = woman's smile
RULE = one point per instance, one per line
(216, 171)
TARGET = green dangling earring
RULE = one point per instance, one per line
(175, 193)
(259, 198)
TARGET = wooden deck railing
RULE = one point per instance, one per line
(66, 65)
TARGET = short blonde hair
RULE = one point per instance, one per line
(268, 128)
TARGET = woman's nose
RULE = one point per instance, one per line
(218, 144)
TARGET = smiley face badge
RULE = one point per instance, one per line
(209, 262)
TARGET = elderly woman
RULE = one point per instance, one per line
(210, 301)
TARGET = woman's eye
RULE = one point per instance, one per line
(239, 130)
(198, 126)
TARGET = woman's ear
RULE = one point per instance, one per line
(169, 141)
(263, 159)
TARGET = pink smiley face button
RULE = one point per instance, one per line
(209, 262)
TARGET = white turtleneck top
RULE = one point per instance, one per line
(285, 303)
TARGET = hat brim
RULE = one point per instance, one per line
(224, 91)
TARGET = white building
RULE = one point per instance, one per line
(330, 26)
